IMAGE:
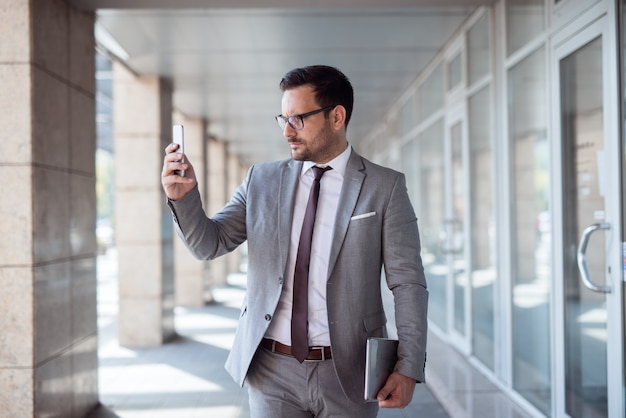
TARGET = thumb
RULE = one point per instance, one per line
(384, 393)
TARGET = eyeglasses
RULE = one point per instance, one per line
(297, 121)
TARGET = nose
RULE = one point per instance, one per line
(288, 131)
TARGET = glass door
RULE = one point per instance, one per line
(455, 229)
(431, 214)
(589, 318)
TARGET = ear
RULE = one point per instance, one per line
(338, 117)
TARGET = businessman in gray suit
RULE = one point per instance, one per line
(303, 354)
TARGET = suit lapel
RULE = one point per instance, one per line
(351, 189)
(289, 176)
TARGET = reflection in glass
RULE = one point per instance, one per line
(455, 72)
(431, 94)
(409, 167)
(455, 225)
(482, 229)
(408, 115)
(525, 20)
(479, 59)
(431, 224)
(585, 311)
(530, 230)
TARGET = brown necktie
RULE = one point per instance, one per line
(300, 308)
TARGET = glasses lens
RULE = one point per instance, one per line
(296, 122)
(282, 121)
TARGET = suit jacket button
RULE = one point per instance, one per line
(280, 280)
(268, 317)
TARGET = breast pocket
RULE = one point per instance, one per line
(363, 219)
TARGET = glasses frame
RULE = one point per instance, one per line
(284, 120)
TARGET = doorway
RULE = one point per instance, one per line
(589, 378)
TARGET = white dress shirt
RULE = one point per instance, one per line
(330, 189)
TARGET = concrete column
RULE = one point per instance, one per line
(218, 268)
(191, 275)
(48, 319)
(143, 225)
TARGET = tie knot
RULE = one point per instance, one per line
(319, 171)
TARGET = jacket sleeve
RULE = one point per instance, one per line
(404, 273)
(208, 238)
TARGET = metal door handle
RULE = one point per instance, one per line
(582, 260)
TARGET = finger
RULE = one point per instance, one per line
(168, 168)
(393, 395)
(171, 163)
(383, 394)
(173, 169)
(173, 181)
(399, 397)
(393, 400)
(171, 147)
(173, 156)
(390, 404)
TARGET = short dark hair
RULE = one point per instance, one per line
(330, 85)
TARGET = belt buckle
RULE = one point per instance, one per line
(316, 360)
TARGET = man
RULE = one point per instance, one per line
(364, 220)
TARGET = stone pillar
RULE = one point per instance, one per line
(190, 274)
(48, 317)
(143, 225)
(218, 268)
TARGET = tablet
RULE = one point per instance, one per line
(381, 356)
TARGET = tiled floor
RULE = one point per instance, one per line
(185, 378)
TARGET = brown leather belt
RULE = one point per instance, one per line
(315, 353)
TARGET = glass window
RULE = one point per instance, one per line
(409, 168)
(392, 132)
(408, 115)
(479, 58)
(525, 20)
(455, 72)
(482, 227)
(530, 230)
(431, 216)
(455, 245)
(430, 94)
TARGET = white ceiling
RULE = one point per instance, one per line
(225, 63)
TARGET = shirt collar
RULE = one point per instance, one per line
(338, 164)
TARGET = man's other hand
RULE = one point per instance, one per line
(397, 392)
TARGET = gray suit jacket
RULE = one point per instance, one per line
(260, 212)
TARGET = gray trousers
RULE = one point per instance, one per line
(280, 386)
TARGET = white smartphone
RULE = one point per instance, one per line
(177, 133)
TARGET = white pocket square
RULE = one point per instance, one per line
(365, 215)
